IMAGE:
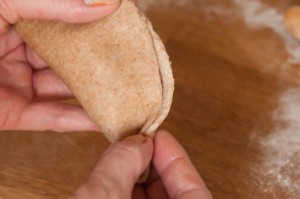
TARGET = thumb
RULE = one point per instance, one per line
(118, 170)
(73, 11)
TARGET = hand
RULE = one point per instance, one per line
(29, 91)
(173, 175)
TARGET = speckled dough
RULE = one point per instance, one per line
(117, 67)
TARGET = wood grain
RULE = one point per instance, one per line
(230, 81)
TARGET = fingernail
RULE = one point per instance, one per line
(139, 139)
(100, 2)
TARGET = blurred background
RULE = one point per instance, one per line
(236, 107)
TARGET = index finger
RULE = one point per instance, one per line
(72, 11)
(177, 172)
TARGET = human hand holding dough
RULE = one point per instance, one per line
(116, 67)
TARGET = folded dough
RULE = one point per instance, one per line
(117, 68)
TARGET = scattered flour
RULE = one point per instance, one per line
(281, 166)
(282, 148)
(258, 15)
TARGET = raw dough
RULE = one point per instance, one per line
(117, 68)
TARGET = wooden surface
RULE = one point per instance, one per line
(236, 108)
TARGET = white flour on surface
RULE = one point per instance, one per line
(255, 13)
(281, 166)
(258, 15)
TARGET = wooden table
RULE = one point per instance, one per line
(236, 108)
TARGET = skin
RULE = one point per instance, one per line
(172, 176)
(30, 99)
(27, 86)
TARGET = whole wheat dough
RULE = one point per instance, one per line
(117, 68)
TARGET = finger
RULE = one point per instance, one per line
(41, 116)
(118, 170)
(74, 11)
(4, 27)
(8, 42)
(154, 186)
(46, 84)
(35, 61)
(138, 192)
(178, 174)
